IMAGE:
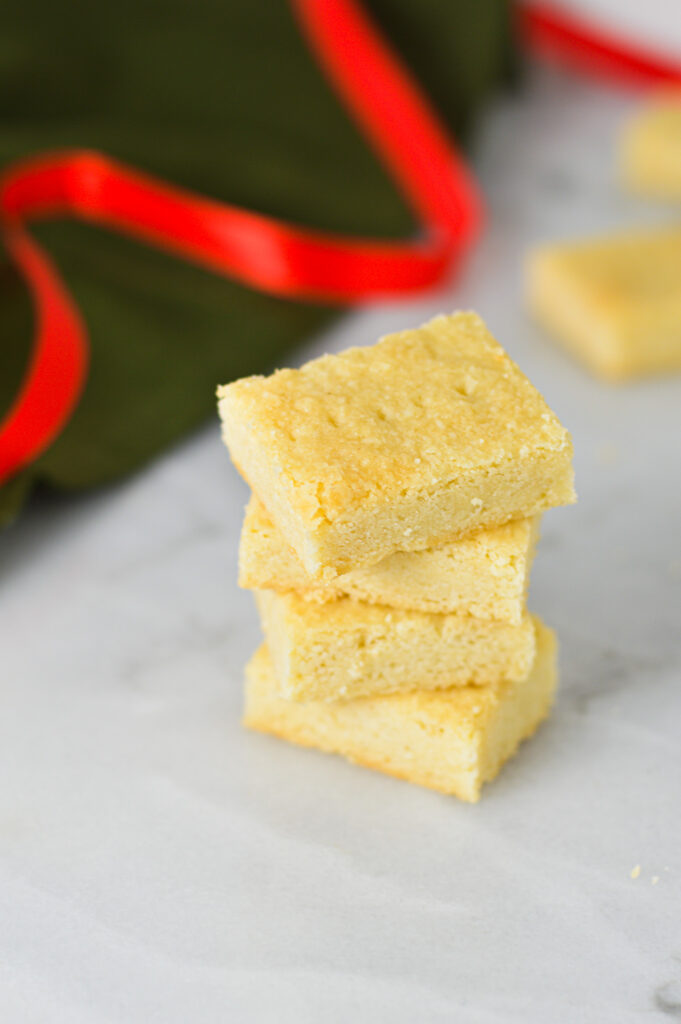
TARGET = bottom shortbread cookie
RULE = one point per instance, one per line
(450, 741)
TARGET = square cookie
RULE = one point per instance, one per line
(485, 574)
(452, 742)
(427, 436)
(650, 149)
(614, 302)
(347, 649)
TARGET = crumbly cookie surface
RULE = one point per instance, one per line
(484, 575)
(452, 741)
(346, 649)
(397, 445)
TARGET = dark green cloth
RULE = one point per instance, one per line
(222, 97)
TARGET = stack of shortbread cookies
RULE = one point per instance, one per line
(397, 491)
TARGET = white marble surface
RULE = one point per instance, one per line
(159, 864)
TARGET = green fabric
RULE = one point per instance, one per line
(222, 97)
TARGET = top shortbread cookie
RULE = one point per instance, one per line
(428, 435)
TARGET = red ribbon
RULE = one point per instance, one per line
(580, 45)
(58, 364)
(260, 251)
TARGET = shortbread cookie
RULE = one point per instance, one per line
(452, 741)
(429, 435)
(484, 575)
(614, 302)
(347, 649)
(650, 149)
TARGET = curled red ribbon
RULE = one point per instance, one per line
(260, 251)
(580, 45)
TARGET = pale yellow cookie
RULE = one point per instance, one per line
(614, 302)
(650, 149)
(427, 436)
(485, 575)
(347, 649)
(452, 741)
